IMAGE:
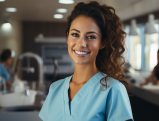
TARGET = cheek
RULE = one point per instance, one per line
(71, 42)
(9, 61)
(94, 46)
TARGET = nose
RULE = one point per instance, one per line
(82, 42)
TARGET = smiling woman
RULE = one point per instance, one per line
(97, 91)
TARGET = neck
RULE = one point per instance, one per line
(83, 73)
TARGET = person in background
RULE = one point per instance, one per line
(154, 77)
(6, 58)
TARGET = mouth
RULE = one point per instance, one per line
(81, 53)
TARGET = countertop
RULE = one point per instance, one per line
(149, 92)
(20, 116)
(146, 94)
(22, 113)
(9, 114)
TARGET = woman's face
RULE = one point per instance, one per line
(9, 61)
(84, 40)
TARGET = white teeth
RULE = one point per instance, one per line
(81, 53)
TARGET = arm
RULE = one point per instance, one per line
(8, 83)
(149, 79)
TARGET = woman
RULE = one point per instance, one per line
(95, 92)
(154, 77)
(6, 58)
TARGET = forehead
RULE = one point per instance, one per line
(84, 24)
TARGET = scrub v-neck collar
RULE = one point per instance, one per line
(96, 77)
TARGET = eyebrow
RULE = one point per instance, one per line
(87, 32)
(91, 32)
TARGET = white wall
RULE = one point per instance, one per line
(12, 39)
(141, 7)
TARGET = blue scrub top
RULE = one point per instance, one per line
(4, 73)
(89, 104)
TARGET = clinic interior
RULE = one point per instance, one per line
(35, 32)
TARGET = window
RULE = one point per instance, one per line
(135, 52)
(151, 47)
(142, 49)
(133, 44)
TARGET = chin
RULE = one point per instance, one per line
(81, 62)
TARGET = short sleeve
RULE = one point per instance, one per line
(44, 110)
(4, 73)
(7, 75)
(118, 105)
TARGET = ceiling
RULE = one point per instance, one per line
(43, 10)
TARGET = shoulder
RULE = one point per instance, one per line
(113, 85)
(4, 73)
(111, 82)
(154, 69)
(59, 83)
(1, 66)
(116, 85)
(119, 88)
(116, 89)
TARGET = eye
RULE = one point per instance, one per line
(75, 35)
(91, 37)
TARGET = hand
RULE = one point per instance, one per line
(0, 86)
(9, 84)
(19, 79)
(142, 84)
(155, 82)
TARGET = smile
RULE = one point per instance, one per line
(78, 53)
(81, 53)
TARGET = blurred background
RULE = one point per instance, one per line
(33, 53)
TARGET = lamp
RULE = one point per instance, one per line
(6, 26)
(150, 29)
(133, 31)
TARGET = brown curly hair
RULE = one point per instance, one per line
(109, 59)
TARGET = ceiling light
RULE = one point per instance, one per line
(11, 9)
(150, 29)
(133, 31)
(6, 26)
(66, 1)
(2, 0)
(58, 16)
(61, 10)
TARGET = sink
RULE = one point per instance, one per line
(151, 87)
(23, 108)
(17, 99)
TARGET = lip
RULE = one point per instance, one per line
(81, 50)
(84, 55)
